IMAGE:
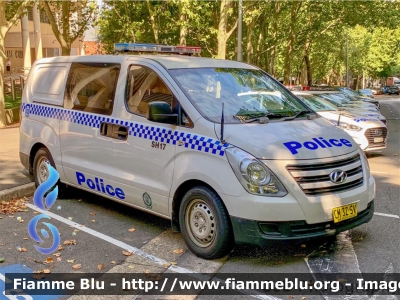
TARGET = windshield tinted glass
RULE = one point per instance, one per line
(366, 92)
(349, 92)
(338, 97)
(317, 103)
(245, 93)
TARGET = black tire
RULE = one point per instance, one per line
(205, 205)
(41, 156)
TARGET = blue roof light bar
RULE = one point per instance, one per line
(133, 47)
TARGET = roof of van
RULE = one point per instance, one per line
(168, 61)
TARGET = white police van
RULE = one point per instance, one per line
(367, 131)
(218, 147)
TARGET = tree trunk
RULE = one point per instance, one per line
(3, 31)
(65, 43)
(183, 25)
(153, 22)
(223, 22)
(5, 26)
(259, 42)
(66, 50)
(3, 122)
(250, 48)
(291, 40)
(307, 62)
(277, 10)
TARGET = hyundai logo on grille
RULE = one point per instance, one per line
(338, 176)
(378, 131)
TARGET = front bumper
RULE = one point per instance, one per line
(292, 232)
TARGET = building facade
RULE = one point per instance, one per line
(32, 38)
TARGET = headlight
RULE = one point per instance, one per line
(354, 127)
(347, 126)
(255, 176)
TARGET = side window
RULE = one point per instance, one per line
(91, 87)
(145, 86)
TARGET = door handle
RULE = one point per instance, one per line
(121, 133)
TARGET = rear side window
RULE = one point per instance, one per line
(48, 83)
(91, 87)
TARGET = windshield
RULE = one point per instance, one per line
(340, 97)
(350, 92)
(347, 98)
(366, 92)
(336, 101)
(317, 103)
(245, 93)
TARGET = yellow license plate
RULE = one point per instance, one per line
(344, 212)
(378, 140)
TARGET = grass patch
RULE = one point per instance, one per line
(9, 103)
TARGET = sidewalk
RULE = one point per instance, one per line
(12, 173)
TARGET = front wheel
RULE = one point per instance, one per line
(205, 223)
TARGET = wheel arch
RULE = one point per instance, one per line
(35, 148)
(183, 188)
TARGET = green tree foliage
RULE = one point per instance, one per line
(304, 39)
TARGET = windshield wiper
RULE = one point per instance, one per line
(296, 115)
(262, 119)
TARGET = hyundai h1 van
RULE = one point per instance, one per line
(218, 147)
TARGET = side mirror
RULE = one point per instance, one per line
(161, 112)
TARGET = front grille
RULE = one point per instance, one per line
(315, 179)
(372, 133)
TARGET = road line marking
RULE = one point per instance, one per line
(388, 276)
(342, 260)
(386, 215)
(138, 251)
(100, 235)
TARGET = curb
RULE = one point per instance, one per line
(18, 192)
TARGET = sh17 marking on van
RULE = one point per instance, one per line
(320, 142)
(98, 185)
(158, 145)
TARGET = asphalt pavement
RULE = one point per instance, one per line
(101, 230)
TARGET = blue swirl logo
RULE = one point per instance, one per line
(44, 197)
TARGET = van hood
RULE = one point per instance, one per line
(297, 139)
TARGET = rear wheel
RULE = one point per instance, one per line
(205, 223)
(41, 172)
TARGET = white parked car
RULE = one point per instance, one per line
(345, 105)
(361, 111)
(348, 102)
(368, 132)
(218, 147)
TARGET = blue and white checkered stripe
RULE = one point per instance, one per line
(139, 130)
